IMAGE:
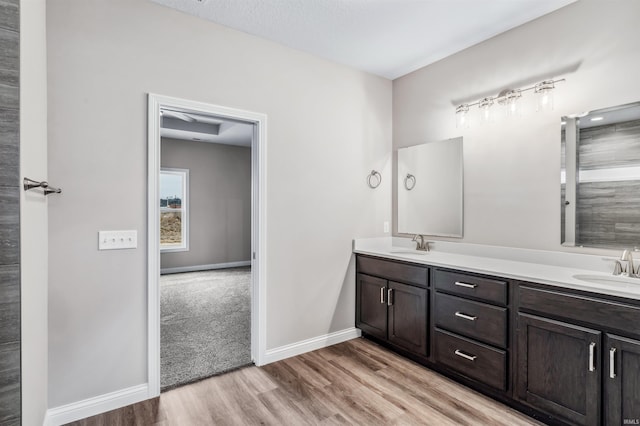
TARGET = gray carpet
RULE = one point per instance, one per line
(205, 324)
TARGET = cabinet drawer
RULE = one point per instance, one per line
(599, 312)
(472, 359)
(487, 289)
(472, 319)
(394, 271)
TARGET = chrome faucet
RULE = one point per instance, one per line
(421, 244)
(629, 271)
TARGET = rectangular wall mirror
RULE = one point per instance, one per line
(430, 189)
(600, 178)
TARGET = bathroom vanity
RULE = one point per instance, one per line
(529, 334)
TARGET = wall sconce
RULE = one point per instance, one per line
(510, 100)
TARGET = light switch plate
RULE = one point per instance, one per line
(386, 227)
(117, 240)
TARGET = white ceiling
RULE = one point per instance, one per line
(193, 126)
(389, 38)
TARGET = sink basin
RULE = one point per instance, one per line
(612, 280)
(407, 251)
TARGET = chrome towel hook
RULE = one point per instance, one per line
(409, 182)
(374, 179)
(33, 184)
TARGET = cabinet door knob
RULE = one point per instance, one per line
(389, 297)
(465, 316)
(381, 294)
(612, 363)
(592, 356)
(465, 356)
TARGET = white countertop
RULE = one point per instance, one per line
(545, 267)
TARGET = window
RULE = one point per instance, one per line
(174, 198)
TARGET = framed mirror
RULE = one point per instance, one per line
(430, 189)
(600, 178)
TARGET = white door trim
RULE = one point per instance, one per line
(258, 227)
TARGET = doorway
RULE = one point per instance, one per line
(187, 292)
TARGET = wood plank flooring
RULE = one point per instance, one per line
(355, 382)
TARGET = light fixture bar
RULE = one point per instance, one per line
(507, 94)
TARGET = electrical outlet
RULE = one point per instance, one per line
(117, 240)
(386, 227)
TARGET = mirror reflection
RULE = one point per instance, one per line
(430, 182)
(600, 178)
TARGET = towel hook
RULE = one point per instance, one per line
(374, 179)
(33, 184)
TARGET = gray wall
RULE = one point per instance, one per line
(9, 213)
(328, 126)
(512, 166)
(219, 202)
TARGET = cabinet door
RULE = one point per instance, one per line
(559, 369)
(622, 381)
(371, 305)
(408, 317)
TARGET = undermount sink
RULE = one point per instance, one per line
(407, 251)
(612, 280)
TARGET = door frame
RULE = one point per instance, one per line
(258, 226)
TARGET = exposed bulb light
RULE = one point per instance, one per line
(485, 108)
(510, 99)
(544, 90)
(462, 119)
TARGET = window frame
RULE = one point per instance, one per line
(184, 209)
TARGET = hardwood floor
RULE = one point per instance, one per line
(355, 382)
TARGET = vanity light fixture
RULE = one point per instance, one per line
(510, 99)
(597, 118)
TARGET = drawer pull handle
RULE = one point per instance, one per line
(465, 316)
(389, 297)
(381, 294)
(592, 355)
(612, 363)
(466, 285)
(465, 356)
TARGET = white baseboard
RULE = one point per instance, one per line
(298, 348)
(197, 268)
(100, 404)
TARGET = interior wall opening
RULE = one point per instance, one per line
(204, 246)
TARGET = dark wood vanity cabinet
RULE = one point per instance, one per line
(563, 356)
(571, 361)
(622, 380)
(471, 326)
(391, 310)
(558, 369)
(371, 306)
